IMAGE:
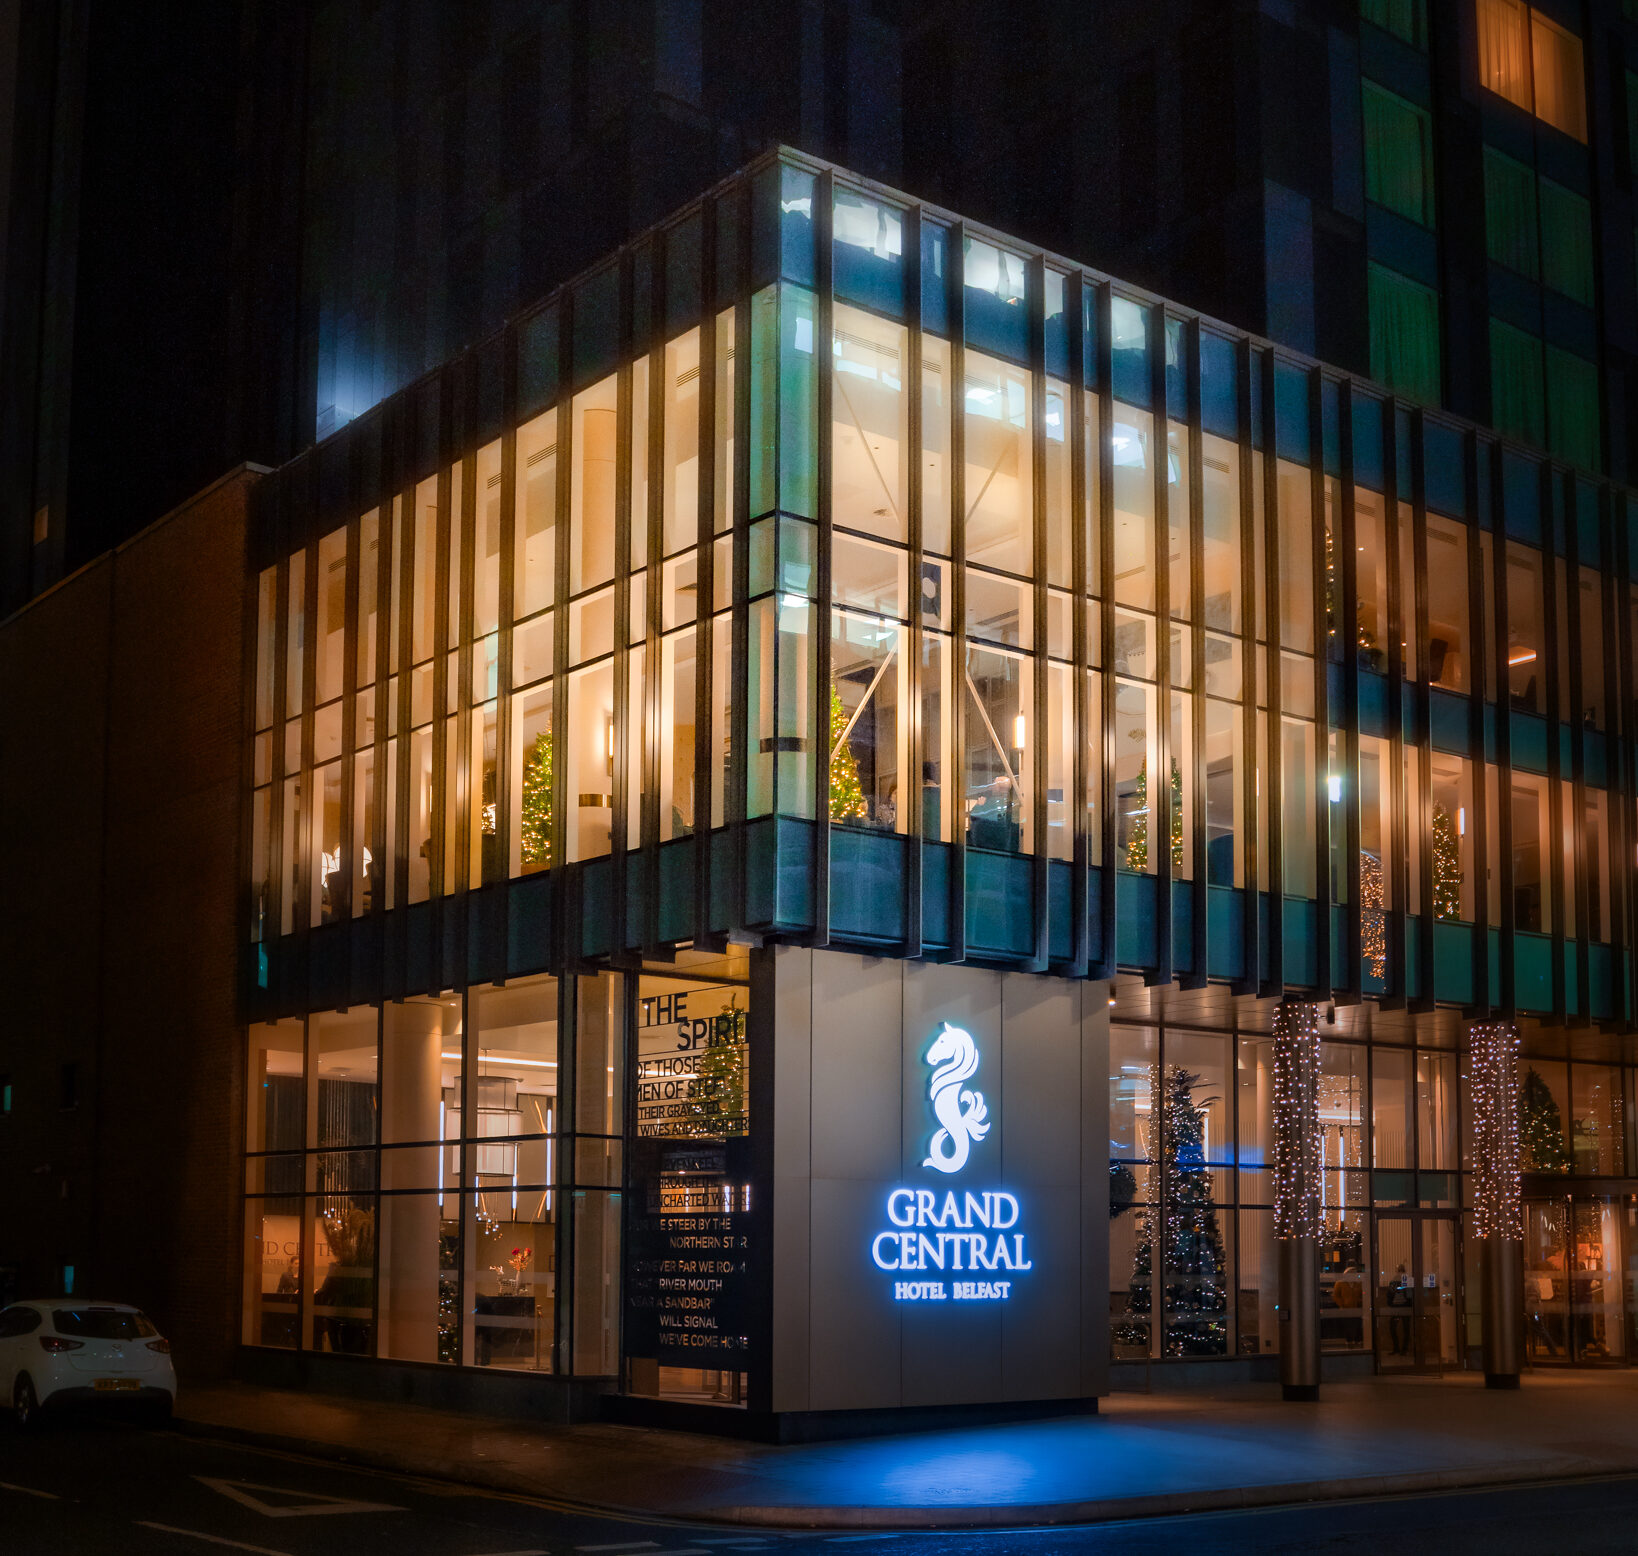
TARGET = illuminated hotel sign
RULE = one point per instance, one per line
(936, 1233)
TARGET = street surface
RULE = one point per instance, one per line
(108, 1489)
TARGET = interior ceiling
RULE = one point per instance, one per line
(1220, 1009)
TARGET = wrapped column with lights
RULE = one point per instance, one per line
(1297, 1194)
(1498, 1220)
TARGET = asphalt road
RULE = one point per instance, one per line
(112, 1490)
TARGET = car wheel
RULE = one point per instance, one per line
(25, 1407)
(159, 1413)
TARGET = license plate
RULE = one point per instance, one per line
(116, 1385)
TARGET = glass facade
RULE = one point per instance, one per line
(826, 567)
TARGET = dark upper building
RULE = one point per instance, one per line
(231, 228)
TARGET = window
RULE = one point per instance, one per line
(1504, 50)
(1406, 19)
(1531, 905)
(1510, 214)
(1398, 154)
(5, 1096)
(871, 434)
(1448, 613)
(1555, 57)
(1533, 63)
(1404, 334)
(1525, 640)
(1572, 401)
(18, 1320)
(1566, 242)
(1515, 382)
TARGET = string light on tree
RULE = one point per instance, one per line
(1373, 922)
(1296, 1120)
(535, 804)
(1497, 1147)
(1541, 1126)
(1137, 843)
(847, 800)
(1447, 866)
(1194, 1286)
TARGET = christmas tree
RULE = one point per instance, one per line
(1447, 866)
(1195, 1288)
(1137, 845)
(716, 1098)
(535, 820)
(1373, 924)
(847, 801)
(1541, 1127)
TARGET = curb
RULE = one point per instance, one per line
(485, 1476)
(1166, 1504)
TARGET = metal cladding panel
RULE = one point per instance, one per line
(857, 1120)
(792, 1031)
(857, 1017)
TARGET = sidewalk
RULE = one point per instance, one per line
(1143, 1455)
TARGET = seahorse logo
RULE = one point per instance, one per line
(962, 1113)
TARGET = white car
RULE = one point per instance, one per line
(67, 1350)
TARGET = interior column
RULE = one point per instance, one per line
(411, 1091)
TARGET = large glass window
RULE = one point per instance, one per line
(1449, 617)
(1398, 154)
(1532, 900)
(1449, 836)
(867, 768)
(1511, 234)
(997, 784)
(1526, 642)
(1532, 62)
(384, 1202)
(999, 464)
(1405, 353)
(1566, 242)
(1574, 416)
(1406, 19)
(870, 438)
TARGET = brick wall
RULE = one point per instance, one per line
(119, 877)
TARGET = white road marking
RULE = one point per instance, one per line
(29, 1491)
(214, 1539)
(243, 1492)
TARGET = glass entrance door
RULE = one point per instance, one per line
(1417, 1293)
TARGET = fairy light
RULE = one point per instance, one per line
(1494, 1056)
(1296, 1120)
(1373, 922)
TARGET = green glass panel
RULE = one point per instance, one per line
(798, 403)
(1398, 154)
(764, 451)
(784, 401)
(1515, 383)
(1404, 334)
(1572, 408)
(1510, 213)
(1407, 19)
(1566, 242)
